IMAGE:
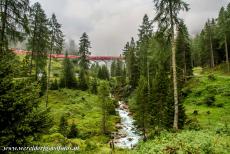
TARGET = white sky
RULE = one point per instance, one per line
(111, 23)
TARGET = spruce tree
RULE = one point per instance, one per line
(56, 45)
(19, 112)
(209, 33)
(103, 91)
(145, 34)
(83, 80)
(14, 22)
(38, 41)
(224, 32)
(113, 69)
(68, 79)
(84, 52)
(103, 73)
(167, 18)
(141, 106)
(183, 55)
(21, 118)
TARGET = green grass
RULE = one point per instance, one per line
(185, 142)
(202, 87)
(206, 132)
(84, 110)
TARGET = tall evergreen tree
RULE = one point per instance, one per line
(113, 68)
(56, 45)
(103, 91)
(209, 33)
(103, 73)
(68, 79)
(83, 80)
(38, 41)
(84, 46)
(167, 18)
(141, 106)
(224, 32)
(19, 112)
(14, 22)
(145, 34)
(118, 68)
(131, 62)
(183, 54)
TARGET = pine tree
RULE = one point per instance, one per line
(131, 63)
(223, 23)
(103, 91)
(19, 112)
(93, 86)
(68, 79)
(20, 116)
(84, 46)
(145, 34)
(14, 22)
(118, 69)
(72, 48)
(183, 55)
(103, 73)
(113, 69)
(167, 17)
(56, 44)
(38, 41)
(83, 80)
(209, 33)
(141, 106)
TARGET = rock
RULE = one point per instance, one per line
(119, 126)
(130, 114)
(123, 135)
(130, 139)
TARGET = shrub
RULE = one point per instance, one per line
(54, 85)
(211, 77)
(193, 124)
(210, 100)
(195, 112)
(63, 126)
(73, 133)
(220, 105)
(186, 91)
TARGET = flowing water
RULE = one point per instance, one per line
(127, 135)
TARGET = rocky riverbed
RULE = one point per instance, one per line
(127, 135)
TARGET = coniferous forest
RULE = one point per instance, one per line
(167, 91)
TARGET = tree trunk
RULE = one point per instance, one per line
(176, 112)
(185, 65)
(48, 78)
(32, 52)
(226, 51)
(4, 17)
(211, 52)
(175, 92)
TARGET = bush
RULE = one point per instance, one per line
(211, 77)
(220, 105)
(73, 133)
(185, 142)
(210, 100)
(193, 124)
(54, 85)
(186, 91)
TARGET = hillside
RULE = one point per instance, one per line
(208, 118)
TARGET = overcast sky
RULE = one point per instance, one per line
(111, 23)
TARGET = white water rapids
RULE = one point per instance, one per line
(127, 135)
